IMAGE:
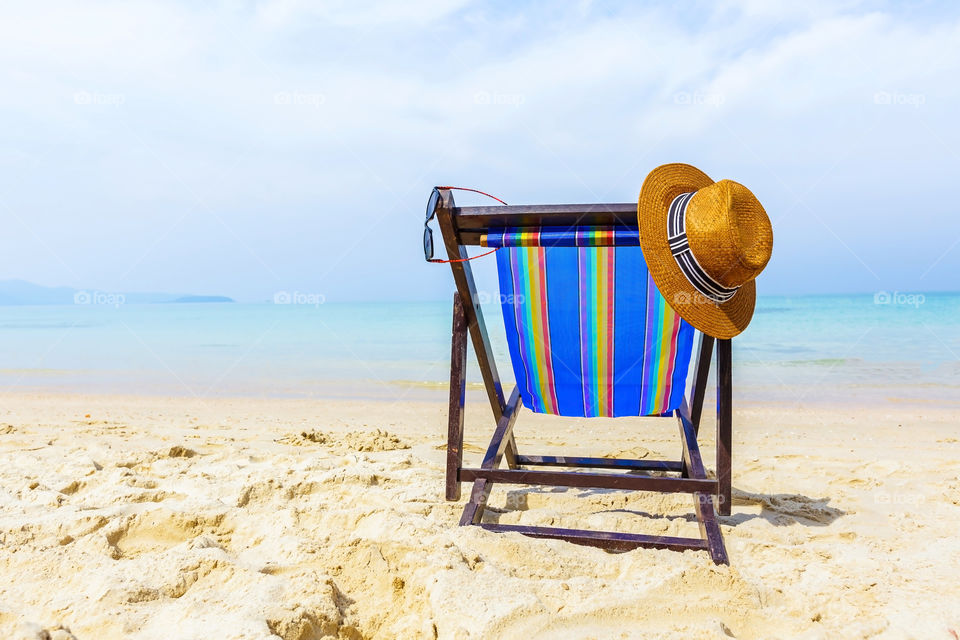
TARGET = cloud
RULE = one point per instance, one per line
(274, 144)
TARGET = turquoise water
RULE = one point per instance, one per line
(800, 349)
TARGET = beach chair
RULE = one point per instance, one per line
(589, 335)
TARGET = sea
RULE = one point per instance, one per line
(887, 347)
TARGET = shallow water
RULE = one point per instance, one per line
(797, 349)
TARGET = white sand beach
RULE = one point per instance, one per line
(140, 517)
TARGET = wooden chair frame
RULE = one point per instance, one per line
(463, 226)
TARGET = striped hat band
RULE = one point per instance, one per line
(680, 248)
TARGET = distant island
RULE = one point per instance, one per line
(21, 292)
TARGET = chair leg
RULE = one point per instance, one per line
(701, 370)
(466, 287)
(473, 510)
(703, 503)
(458, 362)
(709, 528)
(724, 425)
(511, 454)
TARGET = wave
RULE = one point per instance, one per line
(432, 384)
(821, 362)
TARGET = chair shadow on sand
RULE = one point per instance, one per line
(779, 509)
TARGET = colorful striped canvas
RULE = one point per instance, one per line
(589, 334)
(563, 237)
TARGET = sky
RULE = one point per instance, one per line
(246, 148)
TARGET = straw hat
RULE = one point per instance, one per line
(704, 243)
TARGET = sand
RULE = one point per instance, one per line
(144, 517)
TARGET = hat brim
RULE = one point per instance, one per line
(662, 185)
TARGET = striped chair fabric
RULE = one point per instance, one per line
(589, 333)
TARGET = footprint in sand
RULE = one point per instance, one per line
(160, 529)
(790, 504)
(366, 441)
(176, 451)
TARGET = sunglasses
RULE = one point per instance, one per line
(427, 231)
(432, 213)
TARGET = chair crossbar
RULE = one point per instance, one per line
(622, 464)
(603, 539)
(635, 482)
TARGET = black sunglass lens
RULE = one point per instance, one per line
(432, 204)
(428, 243)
